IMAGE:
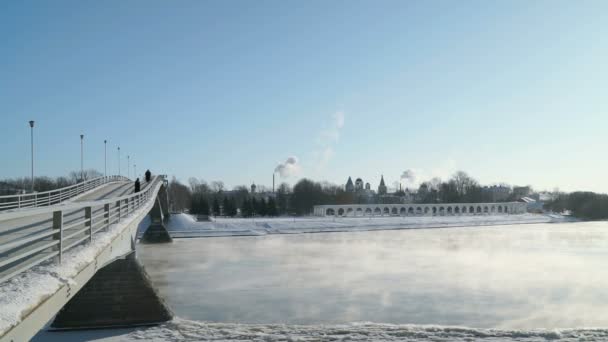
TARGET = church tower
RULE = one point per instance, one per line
(382, 186)
(350, 187)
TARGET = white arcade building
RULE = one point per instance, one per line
(442, 209)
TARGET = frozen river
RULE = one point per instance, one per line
(532, 283)
(507, 277)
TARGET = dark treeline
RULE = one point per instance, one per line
(583, 205)
(212, 199)
(42, 183)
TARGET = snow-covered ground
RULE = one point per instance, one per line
(185, 330)
(185, 226)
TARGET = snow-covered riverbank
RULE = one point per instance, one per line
(185, 330)
(185, 226)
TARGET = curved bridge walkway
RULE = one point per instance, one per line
(35, 239)
(25, 231)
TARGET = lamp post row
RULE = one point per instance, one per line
(105, 155)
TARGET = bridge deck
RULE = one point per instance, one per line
(17, 229)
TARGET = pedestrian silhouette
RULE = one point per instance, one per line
(148, 175)
(137, 185)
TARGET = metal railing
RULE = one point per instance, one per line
(46, 198)
(64, 228)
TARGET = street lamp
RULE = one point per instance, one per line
(128, 166)
(118, 160)
(105, 158)
(82, 157)
(135, 170)
(32, 145)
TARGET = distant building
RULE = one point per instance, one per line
(253, 188)
(368, 187)
(497, 193)
(349, 187)
(521, 191)
(408, 196)
(532, 205)
(359, 184)
(382, 187)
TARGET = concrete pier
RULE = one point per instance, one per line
(120, 294)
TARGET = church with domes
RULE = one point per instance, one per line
(360, 187)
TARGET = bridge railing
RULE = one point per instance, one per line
(46, 198)
(65, 227)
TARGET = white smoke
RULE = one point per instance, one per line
(289, 167)
(409, 176)
(327, 140)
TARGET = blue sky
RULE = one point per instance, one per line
(509, 91)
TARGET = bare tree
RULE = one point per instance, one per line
(76, 176)
(179, 195)
(217, 186)
(198, 186)
(463, 182)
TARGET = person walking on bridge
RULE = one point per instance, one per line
(148, 175)
(137, 185)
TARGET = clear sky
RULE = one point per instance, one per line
(509, 91)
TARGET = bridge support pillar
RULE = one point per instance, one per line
(157, 233)
(119, 294)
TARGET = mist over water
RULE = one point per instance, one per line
(508, 277)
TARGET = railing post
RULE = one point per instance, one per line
(58, 225)
(106, 215)
(19, 201)
(88, 215)
(118, 208)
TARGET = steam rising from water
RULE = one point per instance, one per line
(508, 277)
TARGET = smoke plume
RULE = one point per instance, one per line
(289, 167)
(409, 176)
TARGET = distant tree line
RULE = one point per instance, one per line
(583, 205)
(460, 188)
(212, 199)
(12, 186)
(205, 198)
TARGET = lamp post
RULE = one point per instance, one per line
(105, 158)
(119, 161)
(128, 166)
(82, 157)
(32, 146)
(135, 170)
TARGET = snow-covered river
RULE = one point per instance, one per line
(518, 279)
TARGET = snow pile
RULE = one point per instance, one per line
(183, 225)
(25, 291)
(185, 330)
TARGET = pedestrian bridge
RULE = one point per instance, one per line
(68, 254)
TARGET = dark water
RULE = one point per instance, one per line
(510, 277)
